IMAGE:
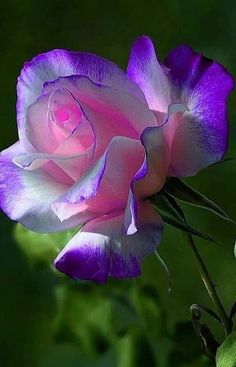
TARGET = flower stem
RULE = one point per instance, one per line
(210, 287)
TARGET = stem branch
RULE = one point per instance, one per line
(210, 287)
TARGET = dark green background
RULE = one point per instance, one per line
(48, 321)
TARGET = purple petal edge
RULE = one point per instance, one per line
(104, 251)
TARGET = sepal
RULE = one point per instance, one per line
(183, 192)
(173, 215)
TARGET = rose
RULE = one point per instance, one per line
(83, 127)
(79, 120)
(199, 137)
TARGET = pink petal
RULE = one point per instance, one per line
(106, 186)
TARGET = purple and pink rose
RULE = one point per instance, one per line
(96, 142)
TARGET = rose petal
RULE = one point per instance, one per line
(26, 196)
(73, 165)
(152, 174)
(102, 250)
(131, 214)
(149, 74)
(105, 187)
(150, 177)
(198, 137)
(201, 135)
(15, 149)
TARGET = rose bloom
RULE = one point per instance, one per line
(95, 143)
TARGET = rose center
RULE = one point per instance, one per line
(61, 115)
(65, 113)
(67, 116)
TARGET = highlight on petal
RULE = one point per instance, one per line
(131, 214)
(102, 250)
(151, 76)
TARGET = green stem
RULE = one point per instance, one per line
(210, 287)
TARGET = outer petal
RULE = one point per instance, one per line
(26, 196)
(13, 150)
(58, 63)
(102, 250)
(149, 74)
(200, 137)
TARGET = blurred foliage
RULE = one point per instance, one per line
(43, 247)
(47, 320)
(117, 324)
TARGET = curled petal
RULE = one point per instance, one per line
(61, 167)
(150, 177)
(33, 161)
(152, 174)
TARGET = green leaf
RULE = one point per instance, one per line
(183, 192)
(172, 214)
(226, 354)
(41, 247)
